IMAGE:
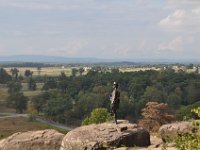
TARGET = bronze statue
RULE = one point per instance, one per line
(115, 100)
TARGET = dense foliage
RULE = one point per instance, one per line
(190, 141)
(16, 98)
(98, 115)
(92, 91)
(154, 115)
(4, 76)
(81, 93)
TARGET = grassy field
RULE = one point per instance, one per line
(26, 91)
(49, 71)
(134, 69)
(3, 94)
(29, 93)
(9, 126)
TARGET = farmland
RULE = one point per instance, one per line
(9, 126)
(48, 71)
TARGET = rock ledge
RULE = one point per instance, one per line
(33, 140)
(106, 136)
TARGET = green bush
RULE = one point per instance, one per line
(185, 113)
(98, 115)
(197, 111)
(190, 141)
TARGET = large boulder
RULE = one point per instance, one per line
(106, 135)
(33, 140)
(169, 132)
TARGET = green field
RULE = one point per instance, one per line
(135, 69)
(9, 126)
(49, 71)
(3, 94)
(26, 91)
(29, 93)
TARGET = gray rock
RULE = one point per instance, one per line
(169, 132)
(33, 140)
(105, 136)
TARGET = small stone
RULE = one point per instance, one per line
(123, 129)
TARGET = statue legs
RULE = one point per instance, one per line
(114, 113)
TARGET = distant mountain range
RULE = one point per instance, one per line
(49, 59)
(67, 60)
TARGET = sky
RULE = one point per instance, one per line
(111, 29)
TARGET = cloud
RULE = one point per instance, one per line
(184, 16)
(99, 28)
(182, 21)
(175, 45)
(43, 5)
(70, 48)
(181, 3)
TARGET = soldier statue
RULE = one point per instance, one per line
(115, 100)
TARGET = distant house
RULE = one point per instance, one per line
(86, 69)
(175, 68)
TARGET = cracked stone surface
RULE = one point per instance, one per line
(106, 136)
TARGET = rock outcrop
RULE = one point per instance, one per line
(169, 132)
(106, 135)
(33, 140)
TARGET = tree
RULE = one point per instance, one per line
(14, 72)
(57, 105)
(86, 102)
(197, 70)
(74, 72)
(193, 94)
(39, 68)
(62, 82)
(81, 70)
(4, 76)
(154, 115)
(174, 101)
(18, 101)
(184, 112)
(31, 111)
(126, 107)
(178, 91)
(14, 87)
(16, 98)
(137, 86)
(152, 93)
(28, 73)
(32, 84)
(114, 70)
(49, 84)
(40, 101)
(98, 115)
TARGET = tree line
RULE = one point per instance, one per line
(66, 98)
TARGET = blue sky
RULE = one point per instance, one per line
(154, 29)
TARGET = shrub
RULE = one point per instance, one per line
(190, 141)
(98, 115)
(154, 115)
(185, 113)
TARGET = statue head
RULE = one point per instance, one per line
(115, 85)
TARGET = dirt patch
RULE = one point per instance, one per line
(10, 126)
